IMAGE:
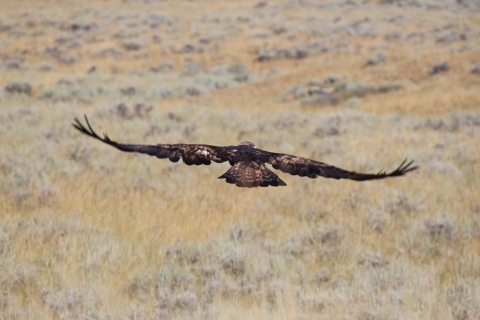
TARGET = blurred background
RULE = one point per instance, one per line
(88, 232)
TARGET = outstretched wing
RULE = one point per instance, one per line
(310, 168)
(192, 154)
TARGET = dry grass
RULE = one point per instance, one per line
(89, 232)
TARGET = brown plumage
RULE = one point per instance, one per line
(248, 163)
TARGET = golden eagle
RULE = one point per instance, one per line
(248, 163)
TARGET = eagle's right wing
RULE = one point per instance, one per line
(192, 154)
(304, 167)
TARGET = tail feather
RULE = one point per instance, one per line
(251, 174)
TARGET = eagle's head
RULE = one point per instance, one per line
(248, 143)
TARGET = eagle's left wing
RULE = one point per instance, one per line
(192, 154)
(310, 168)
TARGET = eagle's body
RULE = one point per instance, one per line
(248, 162)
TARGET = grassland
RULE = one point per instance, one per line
(87, 232)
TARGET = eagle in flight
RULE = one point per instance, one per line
(248, 163)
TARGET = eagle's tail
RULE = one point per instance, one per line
(251, 174)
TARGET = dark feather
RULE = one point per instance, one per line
(251, 174)
(248, 163)
(190, 153)
(311, 168)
